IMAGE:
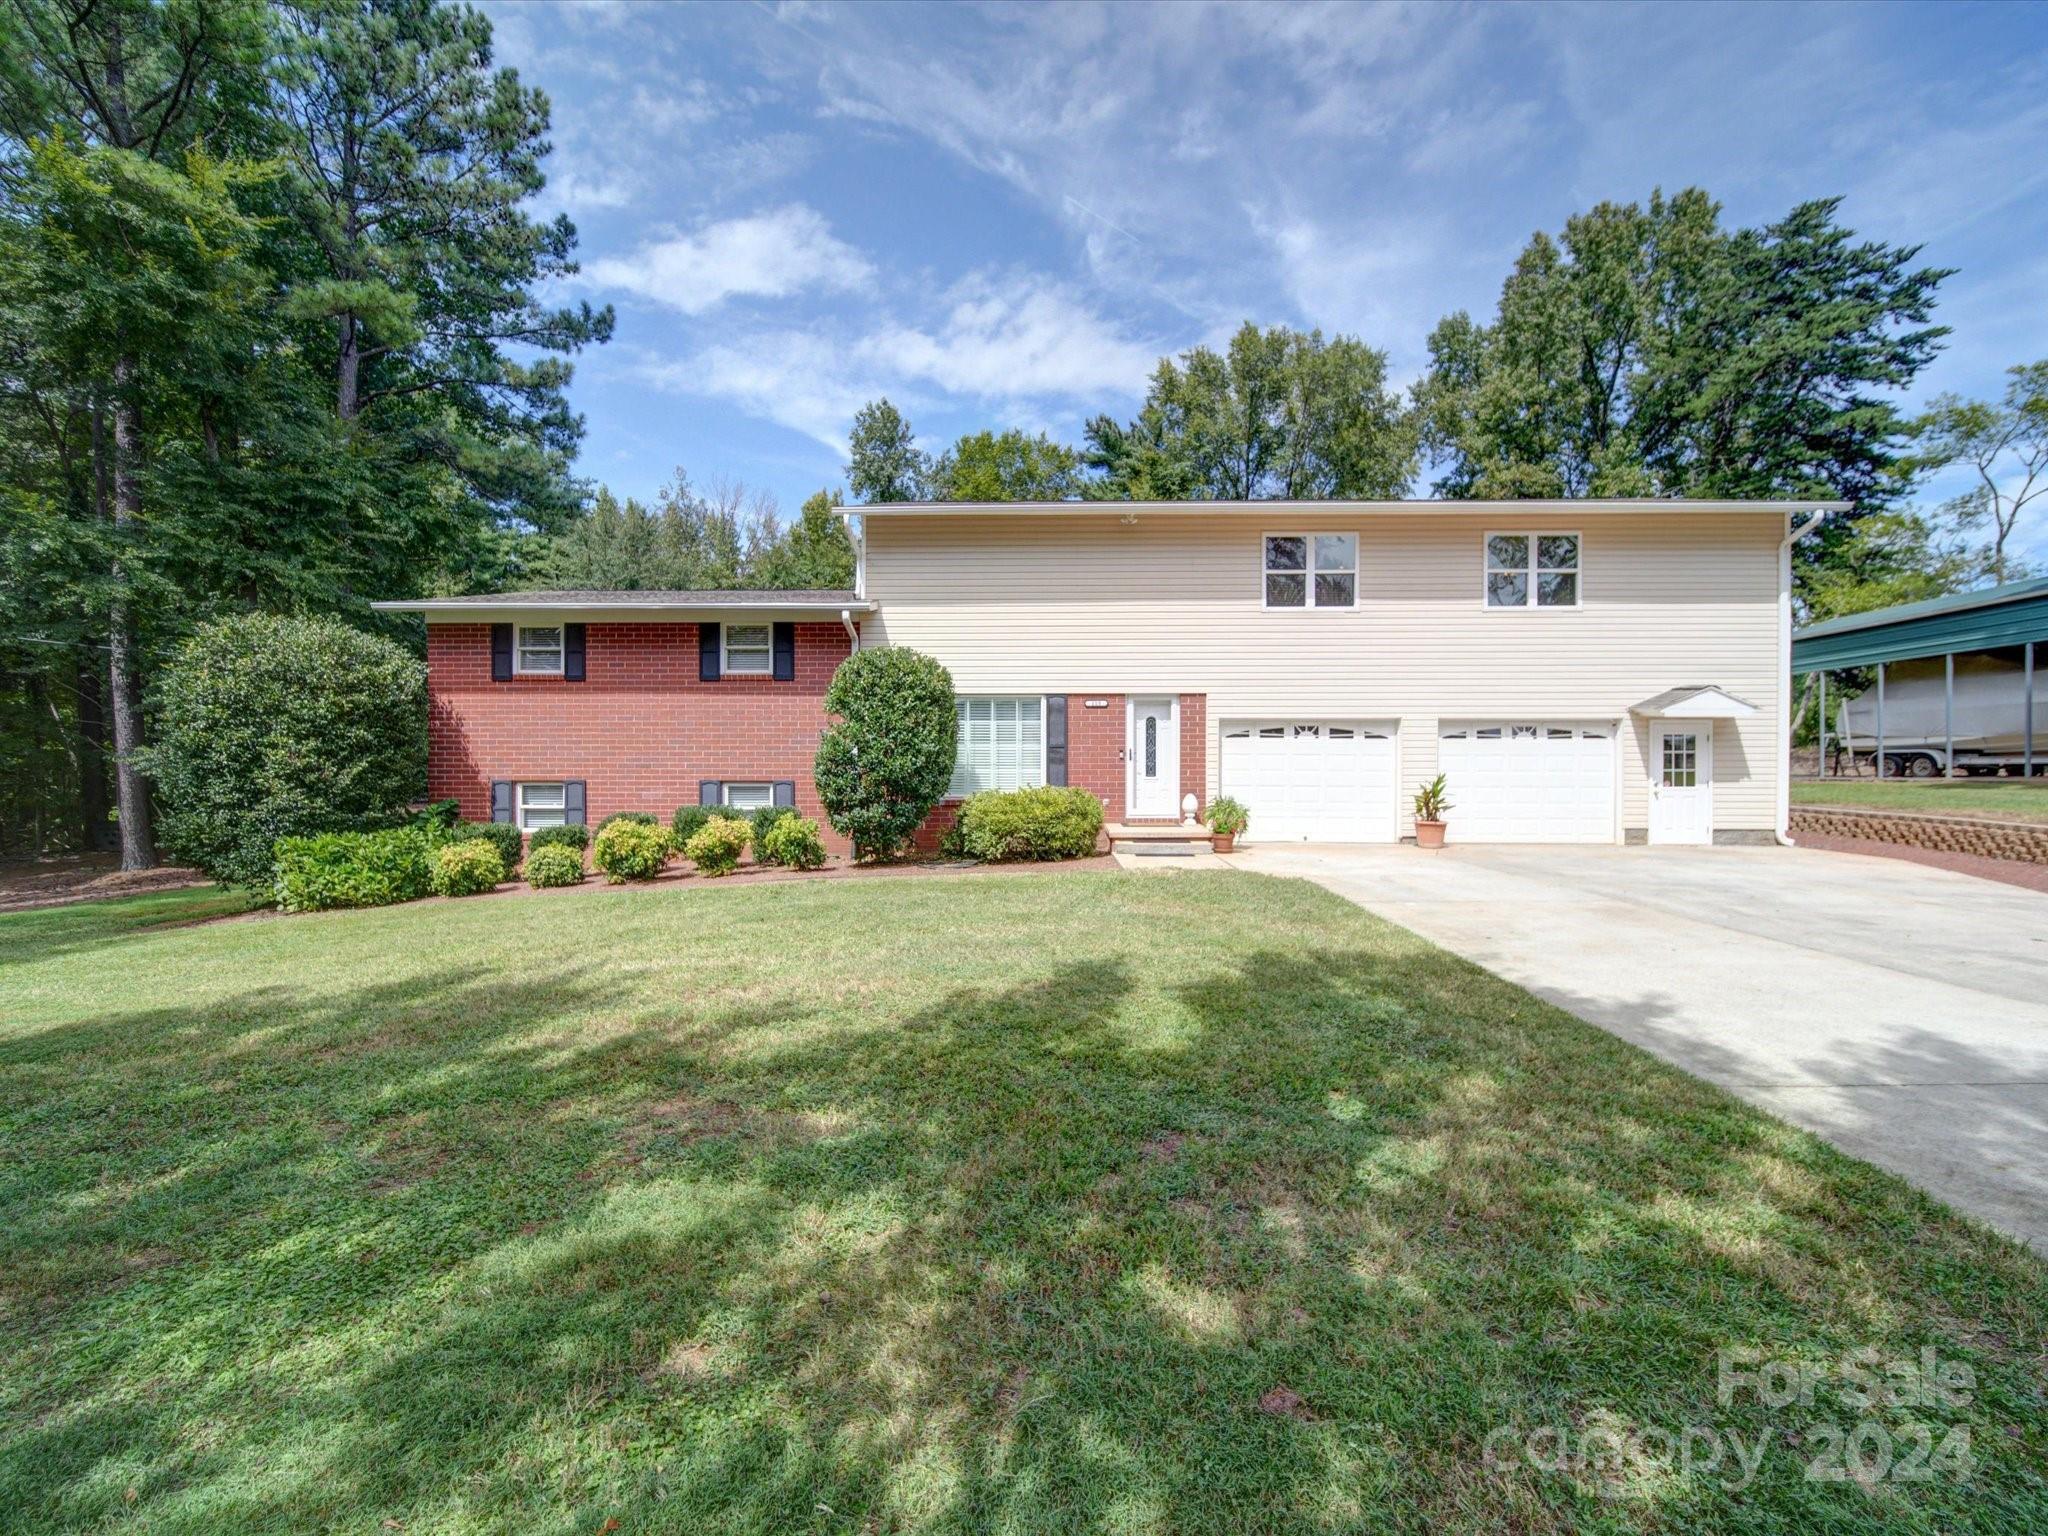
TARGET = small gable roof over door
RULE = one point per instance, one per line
(1694, 701)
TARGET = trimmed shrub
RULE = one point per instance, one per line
(686, 821)
(630, 850)
(269, 728)
(554, 864)
(715, 847)
(501, 835)
(577, 837)
(467, 868)
(352, 869)
(760, 821)
(792, 840)
(1042, 823)
(886, 761)
(640, 818)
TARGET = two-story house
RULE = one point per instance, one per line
(1580, 671)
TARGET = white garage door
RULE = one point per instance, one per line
(1522, 781)
(1324, 781)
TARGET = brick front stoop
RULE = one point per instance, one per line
(2021, 840)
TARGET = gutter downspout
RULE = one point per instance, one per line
(852, 629)
(1782, 833)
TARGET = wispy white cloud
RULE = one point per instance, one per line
(1033, 347)
(771, 255)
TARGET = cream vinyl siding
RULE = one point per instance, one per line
(1172, 604)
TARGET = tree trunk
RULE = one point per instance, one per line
(131, 789)
(348, 367)
(92, 757)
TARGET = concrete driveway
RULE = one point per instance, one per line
(1899, 1011)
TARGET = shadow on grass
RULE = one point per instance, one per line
(1108, 1244)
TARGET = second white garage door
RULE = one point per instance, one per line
(1520, 781)
(1324, 781)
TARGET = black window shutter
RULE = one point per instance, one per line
(501, 653)
(574, 799)
(572, 653)
(501, 799)
(708, 792)
(707, 653)
(1056, 738)
(785, 653)
(785, 792)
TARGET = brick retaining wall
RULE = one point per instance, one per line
(2025, 841)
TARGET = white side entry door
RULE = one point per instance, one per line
(1682, 784)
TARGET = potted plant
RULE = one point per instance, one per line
(1227, 818)
(1430, 806)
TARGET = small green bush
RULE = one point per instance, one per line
(639, 818)
(1227, 816)
(577, 837)
(439, 816)
(468, 867)
(554, 864)
(352, 869)
(1042, 823)
(759, 822)
(791, 840)
(630, 850)
(501, 835)
(687, 820)
(715, 847)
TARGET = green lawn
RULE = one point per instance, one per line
(2011, 799)
(1048, 1202)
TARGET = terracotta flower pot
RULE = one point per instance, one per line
(1429, 834)
(1223, 842)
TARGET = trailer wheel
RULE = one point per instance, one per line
(1920, 765)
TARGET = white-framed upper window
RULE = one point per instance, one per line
(538, 648)
(749, 648)
(1311, 570)
(747, 797)
(1532, 570)
(539, 805)
(1001, 746)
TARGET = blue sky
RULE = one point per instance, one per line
(1002, 216)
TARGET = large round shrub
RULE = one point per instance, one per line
(282, 727)
(467, 868)
(553, 864)
(630, 850)
(886, 761)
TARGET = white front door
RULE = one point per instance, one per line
(1682, 784)
(1154, 758)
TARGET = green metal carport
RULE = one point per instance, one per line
(2015, 614)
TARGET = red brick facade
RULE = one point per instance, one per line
(641, 730)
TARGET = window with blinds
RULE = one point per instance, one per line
(1002, 745)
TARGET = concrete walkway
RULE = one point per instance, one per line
(1899, 1011)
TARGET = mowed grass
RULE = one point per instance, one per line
(1039, 1202)
(2000, 799)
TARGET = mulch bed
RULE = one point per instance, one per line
(835, 869)
(87, 877)
(2033, 877)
